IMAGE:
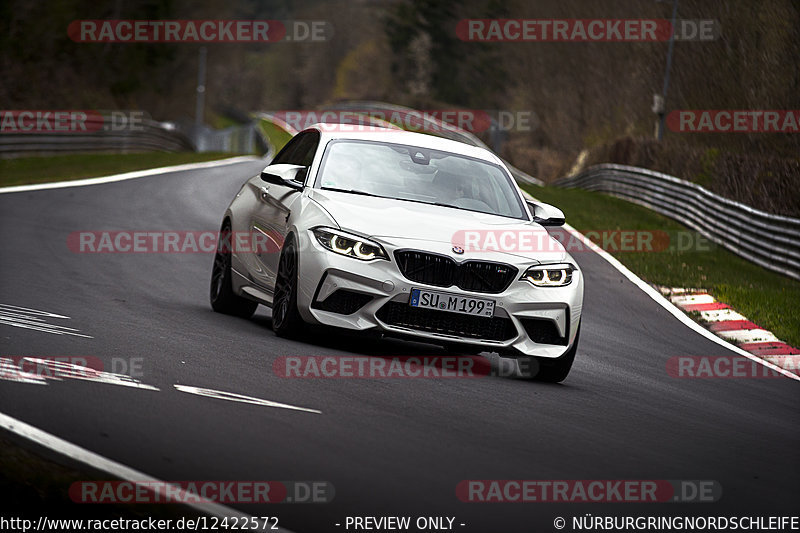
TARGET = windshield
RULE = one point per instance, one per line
(421, 175)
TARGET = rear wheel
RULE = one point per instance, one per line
(286, 320)
(552, 370)
(223, 299)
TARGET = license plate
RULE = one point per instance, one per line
(442, 301)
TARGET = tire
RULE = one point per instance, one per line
(553, 370)
(286, 320)
(221, 295)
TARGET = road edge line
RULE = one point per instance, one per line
(94, 460)
(126, 175)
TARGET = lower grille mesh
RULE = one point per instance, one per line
(473, 327)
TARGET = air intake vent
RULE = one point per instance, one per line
(343, 302)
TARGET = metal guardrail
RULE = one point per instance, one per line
(244, 139)
(768, 240)
(101, 136)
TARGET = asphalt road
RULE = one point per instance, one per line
(389, 446)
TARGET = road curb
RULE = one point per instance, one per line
(725, 322)
(674, 310)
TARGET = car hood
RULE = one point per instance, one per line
(398, 221)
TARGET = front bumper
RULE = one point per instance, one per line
(538, 321)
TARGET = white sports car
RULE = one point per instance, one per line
(403, 234)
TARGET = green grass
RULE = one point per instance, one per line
(767, 298)
(34, 484)
(220, 122)
(28, 170)
(277, 136)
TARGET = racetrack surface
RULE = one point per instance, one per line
(389, 446)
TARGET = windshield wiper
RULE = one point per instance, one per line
(353, 191)
(438, 204)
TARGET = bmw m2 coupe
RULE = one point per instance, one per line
(404, 234)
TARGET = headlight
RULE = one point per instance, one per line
(556, 275)
(348, 244)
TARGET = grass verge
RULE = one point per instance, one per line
(35, 485)
(767, 298)
(30, 170)
(277, 136)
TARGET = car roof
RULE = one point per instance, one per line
(332, 131)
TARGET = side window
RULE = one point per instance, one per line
(306, 148)
(300, 151)
(286, 152)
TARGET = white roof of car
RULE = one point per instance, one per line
(330, 131)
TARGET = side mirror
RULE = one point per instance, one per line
(546, 214)
(285, 174)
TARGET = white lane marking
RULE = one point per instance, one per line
(666, 304)
(66, 370)
(34, 319)
(59, 370)
(233, 397)
(11, 372)
(18, 324)
(749, 335)
(786, 361)
(12, 317)
(126, 175)
(721, 315)
(118, 470)
(28, 310)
